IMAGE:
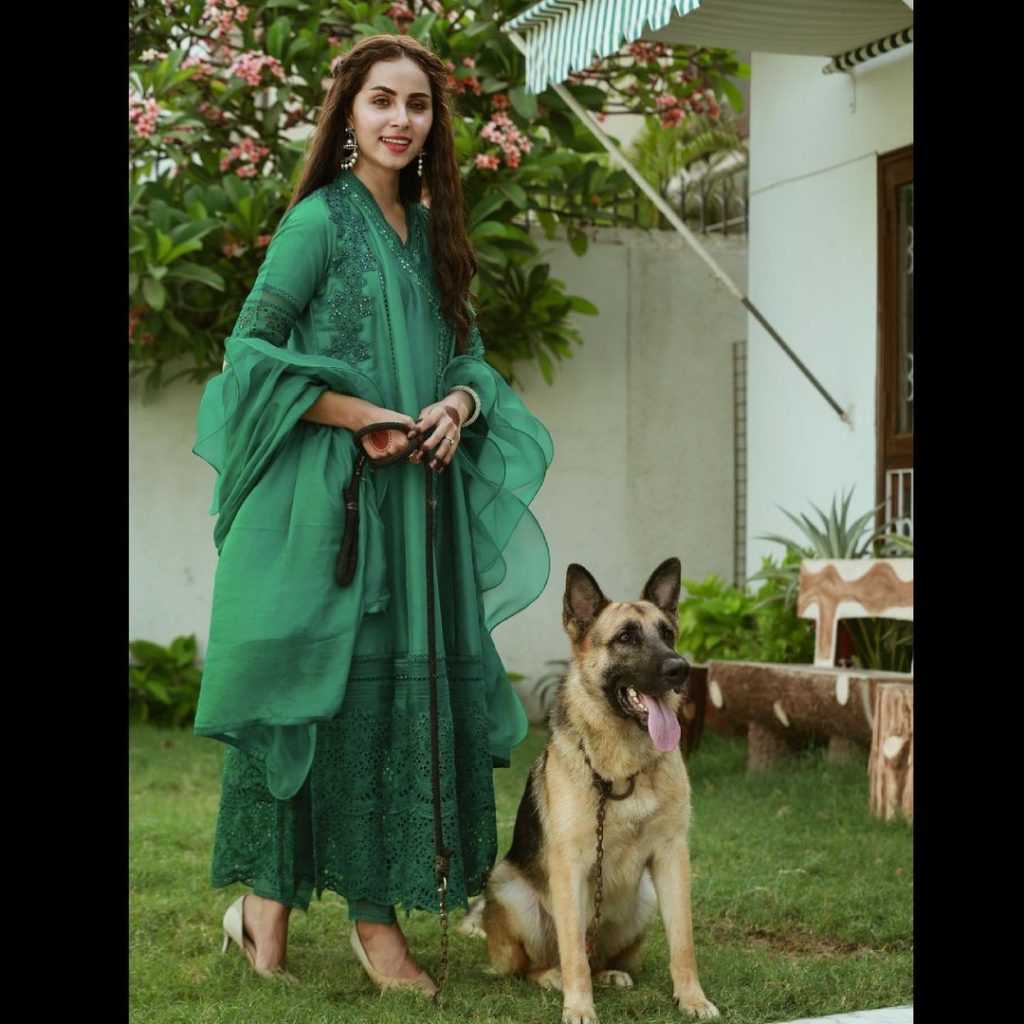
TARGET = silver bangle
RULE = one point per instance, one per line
(476, 402)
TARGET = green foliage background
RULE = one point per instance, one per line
(198, 230)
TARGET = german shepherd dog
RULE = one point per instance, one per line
(614, 725)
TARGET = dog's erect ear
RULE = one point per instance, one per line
(582, 603)
(662, 588)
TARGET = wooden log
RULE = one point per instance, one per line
(693, 708)
(842, 750)
(891, 762)
(767, 748)
(801, 700)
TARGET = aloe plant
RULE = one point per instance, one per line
(877, 643)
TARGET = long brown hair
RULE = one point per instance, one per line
(450, 251)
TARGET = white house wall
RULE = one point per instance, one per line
(642, 425)
(814, 144)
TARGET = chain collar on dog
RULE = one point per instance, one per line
(606, 786)
(605, 790)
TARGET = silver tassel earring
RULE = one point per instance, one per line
(419, 163)
(351, 148)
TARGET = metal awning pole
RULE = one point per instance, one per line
(620, 158)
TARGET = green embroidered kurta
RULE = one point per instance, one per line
(322, 690)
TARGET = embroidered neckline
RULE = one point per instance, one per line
(351, 183)
(409, 255)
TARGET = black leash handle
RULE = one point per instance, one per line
(345, 570)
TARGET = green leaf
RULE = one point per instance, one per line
(524, 103)
(492, 201)
(133, 282)
(547, 368)
(181, 250)
(420, 28)
(491, 229)
(193, 229)
(195, 272)
(276, 36)
(516, 193)
(299, 45)
(578, 241)
(159, 691)
(580, 305)
(175, 324)
(732, 94)
(154, 293)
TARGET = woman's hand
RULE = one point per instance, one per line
(439, 425)
(382, 443)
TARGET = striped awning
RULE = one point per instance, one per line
(563, 36)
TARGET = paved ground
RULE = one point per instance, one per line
(889, 1015)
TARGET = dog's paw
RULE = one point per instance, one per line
(471, 924)
(547, 977)
(579, 1014)
(620, 979)
(698, 1004)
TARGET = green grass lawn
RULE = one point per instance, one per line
(802, 906)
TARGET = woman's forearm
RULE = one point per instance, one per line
(334, 409)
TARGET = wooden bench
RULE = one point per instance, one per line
(786, 706)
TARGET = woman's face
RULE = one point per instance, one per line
(392, 114)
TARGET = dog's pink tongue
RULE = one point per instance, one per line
(662, 724)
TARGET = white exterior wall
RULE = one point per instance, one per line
(814, 143)
(642, 424)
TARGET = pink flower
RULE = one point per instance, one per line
(202, 68)
(511, 157)
(248, 153)
(251, 64)
(143, 114)
(400, 12)
(262, 241)
(224, 15)
(500, 102)
(212, 113)
(150, 55)
(666, 100)
(486, 162)
(469, 62)
(672, 117)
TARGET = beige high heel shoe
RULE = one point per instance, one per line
(383, 982)
(234, 931)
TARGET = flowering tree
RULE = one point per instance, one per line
(222, 95)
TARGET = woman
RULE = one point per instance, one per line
(360, 315)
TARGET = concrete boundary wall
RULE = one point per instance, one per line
(642, 424)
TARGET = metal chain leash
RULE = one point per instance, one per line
(443, 855)
(602, 789)
(605, 793)
(442, 892)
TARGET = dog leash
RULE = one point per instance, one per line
(605, 792)
(344, 574)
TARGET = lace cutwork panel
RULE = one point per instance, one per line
(362, 825)
(269, 313)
